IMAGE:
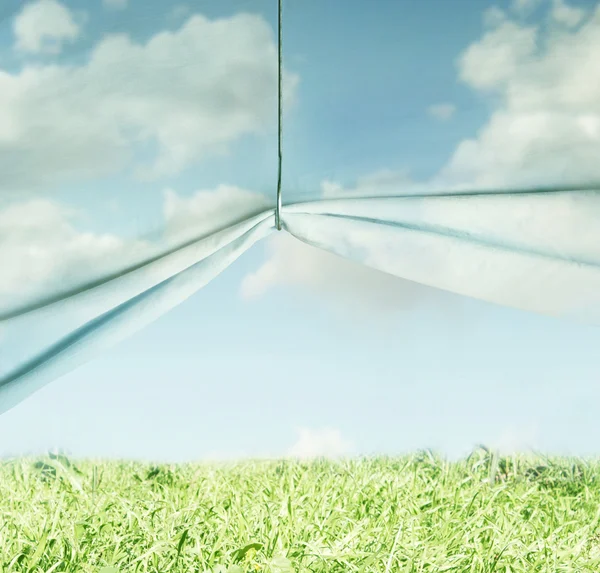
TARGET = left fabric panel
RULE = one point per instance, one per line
(138, 159)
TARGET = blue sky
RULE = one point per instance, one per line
(301, 368)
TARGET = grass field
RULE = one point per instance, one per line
(417, 513)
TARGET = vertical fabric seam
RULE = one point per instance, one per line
(279, 106)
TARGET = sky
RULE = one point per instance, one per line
(120, 117)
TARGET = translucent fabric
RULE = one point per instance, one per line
(142, 150)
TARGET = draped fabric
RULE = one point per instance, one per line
(139, 159)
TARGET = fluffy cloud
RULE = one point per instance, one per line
(546, 127)
(515, 440)
(560, 12)
(324, 442)
(44, 26)
(42, 249)
(349, 284)
(524, 7)
(442, 111)
(569, 16)
(385, 182)
(180, 11)
(493, 61)
(209, 210)
(131, 99)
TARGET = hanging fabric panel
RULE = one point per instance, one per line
(144, 149)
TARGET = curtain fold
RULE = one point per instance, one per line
(113, 310)
(534, 251)
(144, 147)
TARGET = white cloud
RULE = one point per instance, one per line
(324, 442)
(546, 126)
(349, 284)
(180, 11)
(115, 4)
(524, 7)
(208, 210)
(515, 440)
(70, 123)
(384, 182)
(493, 17)
(491, 63)
(442, 111)
(42, 246)
(41, 249)
(44, 27)
(569, 16)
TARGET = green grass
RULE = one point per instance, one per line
(417, 513)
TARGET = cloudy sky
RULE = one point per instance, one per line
(119, 118)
